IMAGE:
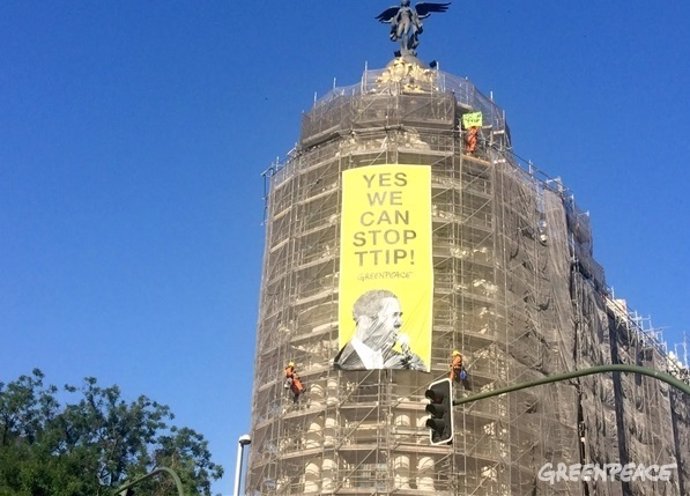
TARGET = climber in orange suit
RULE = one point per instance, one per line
(456, 366)
(293, 382)
(471, 139)
(458, 374)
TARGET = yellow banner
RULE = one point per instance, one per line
(473, 119)
(386, 268)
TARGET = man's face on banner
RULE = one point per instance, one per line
(387, 323)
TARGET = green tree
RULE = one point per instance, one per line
(91, 446)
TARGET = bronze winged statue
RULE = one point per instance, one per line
(406, 24)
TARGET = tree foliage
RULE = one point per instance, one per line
(92, 446)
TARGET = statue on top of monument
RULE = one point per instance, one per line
(405, 22)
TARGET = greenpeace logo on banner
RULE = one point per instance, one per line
(606, 472)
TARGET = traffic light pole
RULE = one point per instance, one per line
(656, 374)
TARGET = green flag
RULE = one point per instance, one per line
(473, 119)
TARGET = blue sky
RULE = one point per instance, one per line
(133, 135)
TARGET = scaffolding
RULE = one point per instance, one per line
(516, 288)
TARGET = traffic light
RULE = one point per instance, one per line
(440, 422)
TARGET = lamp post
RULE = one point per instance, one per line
(126, 489)
(243, 441)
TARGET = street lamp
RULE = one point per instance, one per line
(126, 489)
(243, 441)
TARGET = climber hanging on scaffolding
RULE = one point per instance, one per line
(457, 370)
(293, 382)
(472, 123)
(471, 139)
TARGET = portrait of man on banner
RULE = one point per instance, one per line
(378, 318)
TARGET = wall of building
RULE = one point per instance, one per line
(516, 289)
